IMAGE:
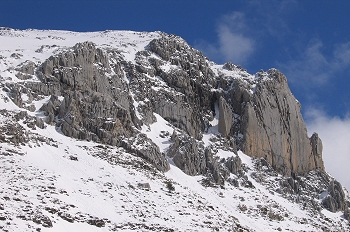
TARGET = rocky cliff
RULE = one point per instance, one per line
(273, 127)
(96, 94)
(112, 95)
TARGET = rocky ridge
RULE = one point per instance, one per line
(96, 92)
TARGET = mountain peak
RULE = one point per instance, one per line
(146, 124)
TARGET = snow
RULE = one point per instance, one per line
(168, 67)
(96, 187)
(155, 130)
(6, 103)
(224, 154)
(245, 159)
(38, 45)
(213, 130)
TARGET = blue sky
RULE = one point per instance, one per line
(308, 40)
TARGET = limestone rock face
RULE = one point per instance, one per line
(225, 117)
(190, 76)
(274, 129)
(89, 109)
(188, 155)
(195, 159)
(95, 102)
(100, 95)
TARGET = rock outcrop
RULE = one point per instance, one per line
(95, 102)
(270, 119)
(92, 108)
(191, 77)
(316, 145)
(335, 200)
(347, 214)
(273, 127)
(196, 159)
(188, 155)
(234, 164)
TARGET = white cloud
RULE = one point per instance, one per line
(234, 43)
(335, 136)
(240, 35)
(235, 46)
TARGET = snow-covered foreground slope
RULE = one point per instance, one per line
(51, 182)
(83, 186)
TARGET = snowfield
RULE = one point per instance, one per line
(73, 182)
(51, 182)
(85, 181)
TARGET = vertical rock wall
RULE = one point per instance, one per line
(274, 129)
(225, 117)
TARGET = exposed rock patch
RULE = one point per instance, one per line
(225, 117)
(335, 200)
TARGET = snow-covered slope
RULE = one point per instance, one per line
(78, 185)
(51, 182)
(35, 45)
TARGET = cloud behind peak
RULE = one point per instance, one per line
(234, 42)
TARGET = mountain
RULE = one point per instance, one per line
(138, 131)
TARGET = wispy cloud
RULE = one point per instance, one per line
(334, 132)
(234, 44)
(240, 35)
(312, 67)
(342, 55)
(272, 16)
